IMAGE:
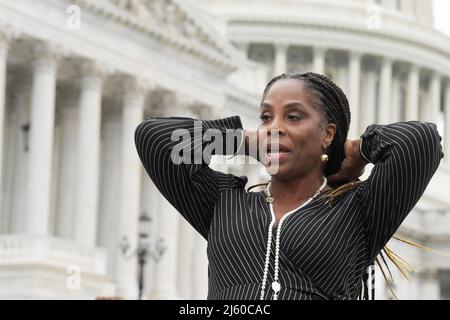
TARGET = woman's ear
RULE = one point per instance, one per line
(329, 132)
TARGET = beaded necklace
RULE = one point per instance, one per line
(276, 286)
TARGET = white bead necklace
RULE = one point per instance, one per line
(276, 286)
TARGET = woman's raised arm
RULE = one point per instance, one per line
(175, 152)
(405, 155)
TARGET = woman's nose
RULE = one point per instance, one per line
(276, 127)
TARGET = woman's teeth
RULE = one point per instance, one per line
(281, 155)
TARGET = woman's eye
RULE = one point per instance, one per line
(294, 117)
(264, 117)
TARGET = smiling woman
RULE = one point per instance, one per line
(315, 229)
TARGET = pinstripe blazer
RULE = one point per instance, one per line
(324, 250)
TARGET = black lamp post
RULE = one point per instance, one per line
(26, 131)
(143, 250)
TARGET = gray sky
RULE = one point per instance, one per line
(442, 15)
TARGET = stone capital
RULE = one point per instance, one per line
(46, 54)
(136, 86)
(387, 61)
(202, 111)
(162, 102)
(355, 55)
(186, 105)
(436, 75)
(183, 101)
(92, 74)
(7, 34)
(320, 50)
(281, 47)
(92, 69)
(135, 91)
(414, 67)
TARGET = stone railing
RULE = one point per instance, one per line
(52, 252)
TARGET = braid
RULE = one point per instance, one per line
(372, 274)
(342, 98)
(369, 274)
(365, 285)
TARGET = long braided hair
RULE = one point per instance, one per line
(332, 102)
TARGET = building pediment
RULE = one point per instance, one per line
(172, 22)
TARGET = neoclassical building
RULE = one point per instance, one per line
(77, 77)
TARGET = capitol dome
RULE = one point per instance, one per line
(385, 55)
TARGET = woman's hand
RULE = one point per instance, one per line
(352, 166)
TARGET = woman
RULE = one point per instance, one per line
(310, 234)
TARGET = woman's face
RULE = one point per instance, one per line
(289, 110)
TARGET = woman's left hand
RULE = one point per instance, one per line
(352, 166)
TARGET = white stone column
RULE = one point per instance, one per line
(165, 282)
(196, 268)
(354, 93)
(68, 178)
(200, 269)
(150, 205)
(4, 46)
(447, 124)
(384, 111)
(186, 258)
(186, 233)
(280, 65)
(56, 174)
(412, 105)
(395, 100)
(388, 4)
(408, 7)
(166, 269)
(130, 194)
(435, 97)
(88, 155)
(41, 139)
(319, 55)
(429, 285)
(368, 106)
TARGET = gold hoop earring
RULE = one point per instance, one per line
(324, 158)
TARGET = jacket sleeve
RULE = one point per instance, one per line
(175, 152)
(405, 156)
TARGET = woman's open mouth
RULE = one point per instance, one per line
(277, 153)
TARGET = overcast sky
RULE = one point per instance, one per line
(442, 15)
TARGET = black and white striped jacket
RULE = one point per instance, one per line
(324, 251)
